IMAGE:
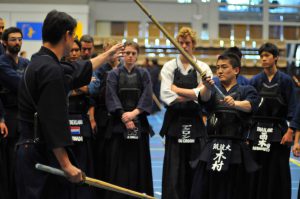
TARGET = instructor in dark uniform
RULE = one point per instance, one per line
(44, 126)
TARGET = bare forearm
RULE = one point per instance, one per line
(100, 59)
(62, 157)
(92, 112)
(244, 106)
(188, 93)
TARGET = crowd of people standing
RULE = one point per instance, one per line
(86, 113)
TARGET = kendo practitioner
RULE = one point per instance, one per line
(2, 49)
(80, 126)
(241, 80)
(271, 134)
(98, 113)
(128, 100)
(225, 163)
(183, 126)
(295, 125)
(45, 135)
(11, 70)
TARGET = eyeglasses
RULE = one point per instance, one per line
(129, 52)
(13, 39)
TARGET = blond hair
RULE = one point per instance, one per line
(185, 32)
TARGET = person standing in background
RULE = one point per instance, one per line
(12, 68)
(127, 152)
(183, 126)
(87, 47)
(99, 113)
(270, 133)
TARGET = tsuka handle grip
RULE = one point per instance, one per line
(51, 170)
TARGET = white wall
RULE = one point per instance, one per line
(13, 13)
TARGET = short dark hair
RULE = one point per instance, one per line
(233, 59)
(234, 50)
(133, 44)
(87, 39)
(77, 43)
(270, 48)
(9, 31)
(56, 24)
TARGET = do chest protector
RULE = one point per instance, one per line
(130, 89)
(188, 81)
(226, 121)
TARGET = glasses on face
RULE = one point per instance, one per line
(13, 39)
(130, 52)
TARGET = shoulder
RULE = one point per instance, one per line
(46, 68)
(4, 60)
(285, 77)
(170, 64)
(256, 78)
(169, 67)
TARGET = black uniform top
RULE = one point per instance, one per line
(10, 76)
(48, 82)
(218, 123)
(287, 89)
(246, 92)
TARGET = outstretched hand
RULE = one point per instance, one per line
(116, 50)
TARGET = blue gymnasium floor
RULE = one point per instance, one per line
(157, 155)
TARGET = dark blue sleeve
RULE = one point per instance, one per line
(249, 93)
(9, 77)
(145, 101)
(241, 80)
(254, 81)
(295, 123)
(113, 103)
(94, 86)
(290, 96)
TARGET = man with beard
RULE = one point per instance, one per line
(11, 70)
(2, 50)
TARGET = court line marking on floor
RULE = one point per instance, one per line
(296, 162)
(158, 193)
